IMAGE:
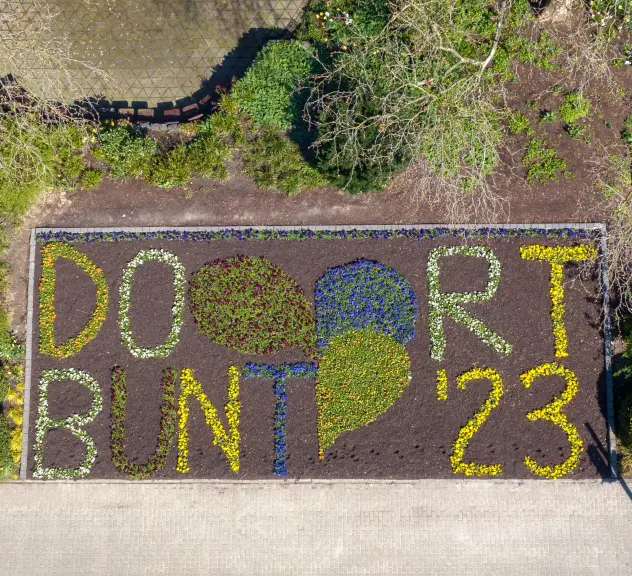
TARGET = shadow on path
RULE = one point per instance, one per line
(233, 66)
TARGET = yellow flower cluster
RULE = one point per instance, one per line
(553, 413)
(474, 423)
(227, 441)
(48, 346)
(557, 256)
(15, 399)
(442, 384)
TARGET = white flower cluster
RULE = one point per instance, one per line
(124, 320)
(448, 303)
(74, 424)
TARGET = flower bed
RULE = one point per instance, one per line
(342, 354)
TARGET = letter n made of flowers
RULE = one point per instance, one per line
(443, 304)
(227, 440)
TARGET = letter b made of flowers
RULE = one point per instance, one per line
(75, 424)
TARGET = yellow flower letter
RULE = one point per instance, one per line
(553, 412)
(227, 441)
(557, 256)
(48, 345)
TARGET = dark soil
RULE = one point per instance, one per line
(412, 439)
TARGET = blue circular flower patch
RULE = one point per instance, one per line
(361, 295)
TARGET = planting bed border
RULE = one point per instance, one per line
(420, 231)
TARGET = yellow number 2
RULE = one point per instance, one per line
(553, 412)
(475, 422)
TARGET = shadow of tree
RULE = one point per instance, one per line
(622, 386)
(233, 66)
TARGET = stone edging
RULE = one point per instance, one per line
(600, 227)
(29, 357)
(607, 342)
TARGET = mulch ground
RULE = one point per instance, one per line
(412, 439)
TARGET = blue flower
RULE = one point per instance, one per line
(364, 294)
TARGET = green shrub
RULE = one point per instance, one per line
(368, 15)
(11, 349)
(353, 177)
(226, 122)
(626, 369)
(171, 168)
(35, 156)
(624, 420)
(5, 444)
(540, 53)
(541, 162)
(548, 116)
(127, 151)
(626, 133)
(90, 178)
(66, 143)
(519, 123)
(4, 383)
(274, 161)
(574, 107)
(575, 130)
(604, 12)
(207, 156)
(267, 91)
(464, 144)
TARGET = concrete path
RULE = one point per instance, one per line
(297, 529)
(143, 51)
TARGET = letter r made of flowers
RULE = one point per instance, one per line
(442, 304)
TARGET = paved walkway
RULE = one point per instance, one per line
(151, 51)
(298, 529)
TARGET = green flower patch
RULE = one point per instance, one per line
(251, 305)
(360, 375)
(167, 425)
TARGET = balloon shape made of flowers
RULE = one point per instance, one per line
(365, 314)
(364, 294)
(251, 305)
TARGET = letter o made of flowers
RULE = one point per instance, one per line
(74, 424)
(124, 320)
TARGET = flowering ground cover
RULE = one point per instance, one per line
(347, 354)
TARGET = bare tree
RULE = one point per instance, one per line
(418, 87)
(35, 78)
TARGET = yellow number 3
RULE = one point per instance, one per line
(553, 412)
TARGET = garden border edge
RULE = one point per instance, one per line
(599, 228)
